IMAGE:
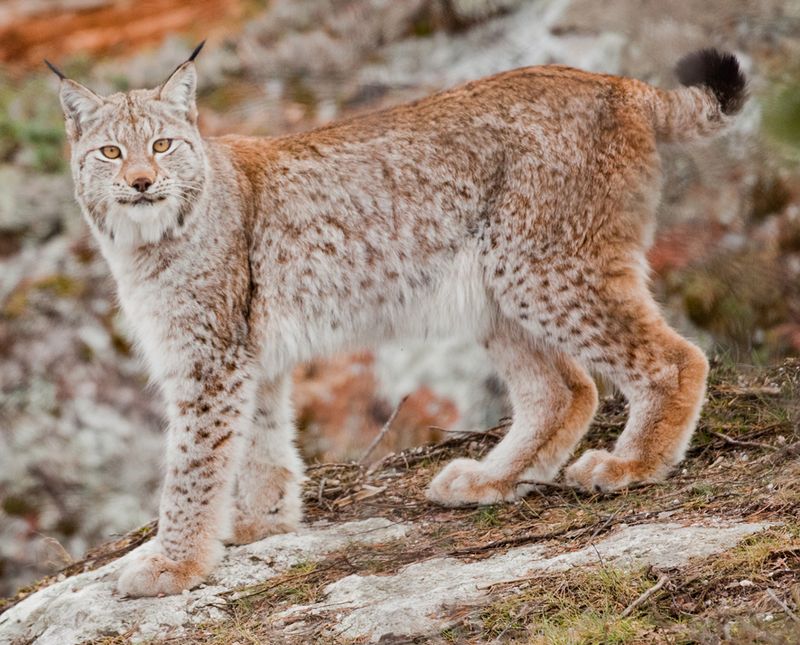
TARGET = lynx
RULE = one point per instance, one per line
(517, 208)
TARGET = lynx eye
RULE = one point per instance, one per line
(162, 145)
(111, 152)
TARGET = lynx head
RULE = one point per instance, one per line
(137, 157)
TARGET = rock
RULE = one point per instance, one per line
(522, 38)
(38, 206)
(412, 602)
(87, 606)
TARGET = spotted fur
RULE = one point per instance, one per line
(517, 208)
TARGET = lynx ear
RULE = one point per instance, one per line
(78, 102)
(179, 89)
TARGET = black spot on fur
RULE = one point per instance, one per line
(718, 71)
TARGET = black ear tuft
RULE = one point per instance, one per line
(196, 51)
(54, 69)
(718, 71)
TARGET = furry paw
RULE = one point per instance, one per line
(267, 510)
(601, 470)
(247, 530)
(156, 574)
(465, 481)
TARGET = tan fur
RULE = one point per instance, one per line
(517, 208)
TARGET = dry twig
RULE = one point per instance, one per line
(644, 597)
(384, 430)
(783, 605)
(739, 442)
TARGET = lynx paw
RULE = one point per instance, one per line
(601, 470)
(247, 530)
(266, 512)
(155, 574)
(465, 481)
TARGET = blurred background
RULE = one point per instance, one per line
(81, 430)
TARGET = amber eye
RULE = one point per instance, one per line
(111, 152)
(162, 145)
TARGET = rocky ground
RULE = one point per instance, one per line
(711, 555)
(80, 431)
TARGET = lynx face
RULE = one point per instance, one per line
(137, 157)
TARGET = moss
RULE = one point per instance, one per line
(781, 104)
(16, 304)
(589, 628)
(31, 127)
(225, 97)
(735, 295)
(702, 493)
(423, 25)
(770, 195)
(750, 558)
(58, 285)
(731, 591)
(86, 353)
(120, 83)
(19, 506)
(581, 607)
(700, 603)
(68, 526)
(299, 92)
(487, 517)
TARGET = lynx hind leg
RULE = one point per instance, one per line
(267, 496)
(603, 315)
(662, 375)
(594, 305)
(553, 402)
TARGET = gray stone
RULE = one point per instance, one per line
(87, 606)
(413, 601)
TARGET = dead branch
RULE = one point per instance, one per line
(739, 442)
(644, 597)
(783, 605)
(384, 431)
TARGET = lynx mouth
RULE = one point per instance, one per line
(142, 201)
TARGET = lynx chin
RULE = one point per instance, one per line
(517, 208)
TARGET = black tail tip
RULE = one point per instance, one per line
(718, 71)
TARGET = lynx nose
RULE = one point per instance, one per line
(139, 176)
(141, 184)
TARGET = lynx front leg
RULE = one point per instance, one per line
(267, 497)
(209, 409)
